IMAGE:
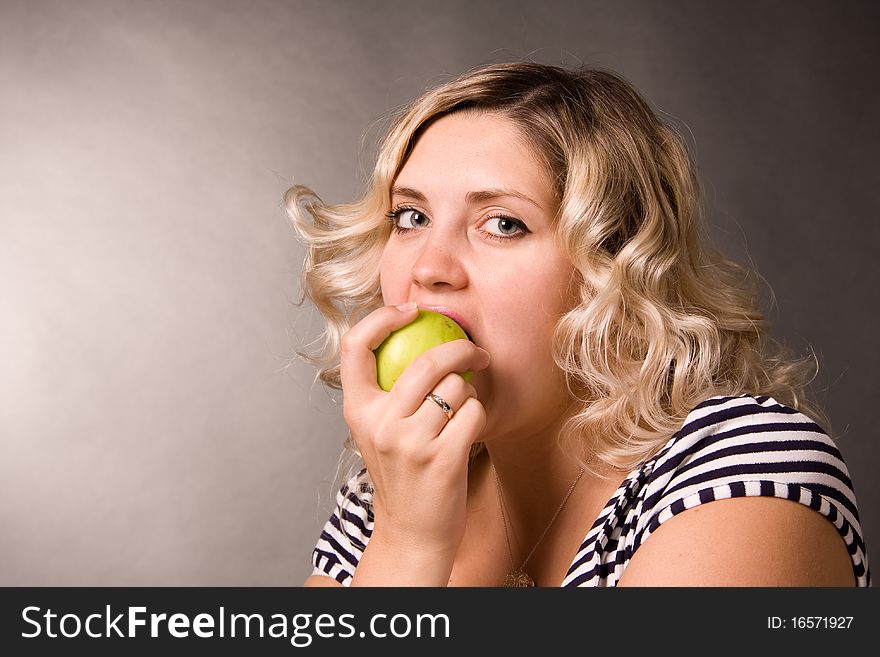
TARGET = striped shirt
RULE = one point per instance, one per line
(742, 446)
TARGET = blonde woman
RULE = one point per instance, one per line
(627, 424)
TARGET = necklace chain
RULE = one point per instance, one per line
(518, 576)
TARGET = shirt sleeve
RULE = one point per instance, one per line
(345, 535)
(754, 447)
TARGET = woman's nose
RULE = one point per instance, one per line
(439, 264)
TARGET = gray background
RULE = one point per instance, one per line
(153, 428)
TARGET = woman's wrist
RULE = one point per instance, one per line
(391, 561)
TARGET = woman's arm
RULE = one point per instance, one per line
(416, 454)
(402, 562)
(386, 563)
(322, 580)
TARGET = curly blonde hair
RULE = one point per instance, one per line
(663, 322)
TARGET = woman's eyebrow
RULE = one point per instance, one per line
(470, 197)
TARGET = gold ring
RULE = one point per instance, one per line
(446, 408)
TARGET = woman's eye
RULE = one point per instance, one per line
(411, 219)
(505, 227)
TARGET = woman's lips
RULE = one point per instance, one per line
(454, 316)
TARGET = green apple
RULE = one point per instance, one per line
(399, 349)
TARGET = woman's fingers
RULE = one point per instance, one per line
(453, 390)
(460, 431)
(426, 371)
(357, 361)
(464, 428)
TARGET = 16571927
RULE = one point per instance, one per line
(809, 622)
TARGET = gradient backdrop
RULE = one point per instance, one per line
(154, 429)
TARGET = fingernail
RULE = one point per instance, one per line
(486, 354)
(406, 307)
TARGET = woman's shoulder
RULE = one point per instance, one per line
(751, 446)
(742, 441)
(354, 506)
(347, 531)
(746, 422)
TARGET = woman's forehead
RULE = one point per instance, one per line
(475, 153)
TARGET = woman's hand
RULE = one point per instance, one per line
(416, 456)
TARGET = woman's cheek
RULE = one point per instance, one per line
(517, 365)
(393, 284)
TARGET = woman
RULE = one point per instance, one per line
(623, 386)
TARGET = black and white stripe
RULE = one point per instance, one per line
(345, 536)
(728, 447)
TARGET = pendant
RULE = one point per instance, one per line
(518, 579)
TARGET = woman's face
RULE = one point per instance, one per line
(474, 206)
